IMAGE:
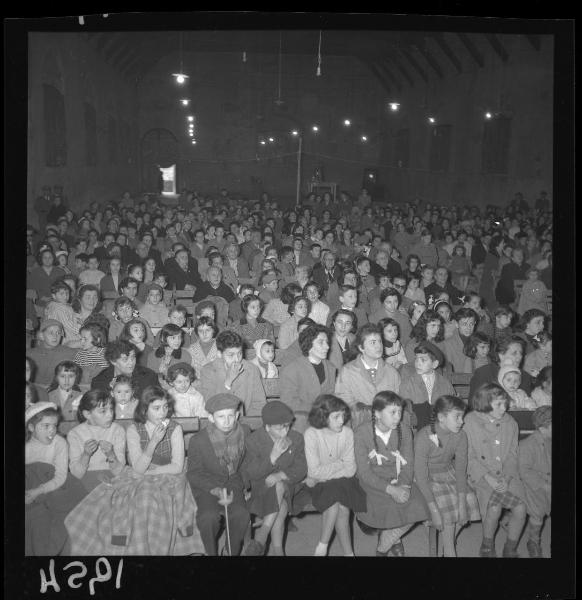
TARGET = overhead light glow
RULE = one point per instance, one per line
(488, 115)
(394, 106)
(194, 141)
(315, 128)
(295, 132)
(262, 142)
(180, 77)
(185, 101)
(347, 122)
(271, 139)
(364, 138)
(190, 118)
(191, 133)
(431, 120)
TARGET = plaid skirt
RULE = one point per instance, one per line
(444, 489)
(504, 499)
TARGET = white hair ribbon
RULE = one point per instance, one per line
(400, 461)
(373, 454)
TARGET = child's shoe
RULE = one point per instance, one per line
(509, 552)
(254, 548)
(534, 549)
(487, 552)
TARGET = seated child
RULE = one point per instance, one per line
(413, 290)
(331, 470)
(91, 355)
(188, 401)
(154, 311)
(203, 350)
(64, 391)
(275, 464)
(440, 470)
(533, 293)
(426, 384)
(475, 302)
(268, 284)
(136, 332)
(178, 316)
(252, 326)
(459, 267)
(492, 467)
(60, 310)
(443, 308)
(535, 470)
(235, 312)
(91, 275)
(542, 392)
(50, 493)
(394, 354)
(476, 350)
(385, 461)
(264, 355)
(503, 317)
(122, 393)
(215, 456)
(509, 378)
(97, 444)
(541, 357)
(155, 443)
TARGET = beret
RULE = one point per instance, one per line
(276, 412)
(221, 402)
(51, 323)
(37, 407)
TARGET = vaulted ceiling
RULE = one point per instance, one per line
(396, 58)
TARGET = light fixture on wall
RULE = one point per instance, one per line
(180, 76)
(394, 106)
(262, 142)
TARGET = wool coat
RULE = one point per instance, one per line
(535, 470)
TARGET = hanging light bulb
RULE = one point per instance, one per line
(185, 101)
(364, 138)
(488, 115)
(431, 120)
(191, 133)
(190, 118)
(271, 140)
(194, 141)
(295, 132)
(347, 122)
(262, 142)
(394, 106)
(315, 128)
(180, 77)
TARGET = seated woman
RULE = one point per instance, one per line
(203, 350)
(275, 464)
(252, 326)
(124, 310)
(169, 352)
(429, 327)
(298, 309)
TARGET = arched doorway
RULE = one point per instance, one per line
(159, 156)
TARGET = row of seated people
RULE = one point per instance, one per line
(100, 491)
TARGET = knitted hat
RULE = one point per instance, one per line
(51, 323)
(221, 402)
(276, 412)
(37, 407)
(258, 345)
(542, 416)
(504, 370)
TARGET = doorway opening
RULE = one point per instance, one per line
(169, 177)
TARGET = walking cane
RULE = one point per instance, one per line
(225, 500)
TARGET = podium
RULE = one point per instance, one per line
(323, 186)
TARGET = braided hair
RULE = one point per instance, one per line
(444, 405)
(380, 402)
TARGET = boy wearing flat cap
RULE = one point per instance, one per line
(275, 464)
(215, 457)
(427, 384)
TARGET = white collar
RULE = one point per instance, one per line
(383, 436)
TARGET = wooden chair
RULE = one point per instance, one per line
(524, 422)
(461, 382)
(272, 388)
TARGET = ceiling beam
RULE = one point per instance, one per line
(392, 59)
(414, 63)
(433, 63)
(378, 74)
(439, 38)
(535, 41)
(130, 57)
(388, 73)
(497, 46)
(472, 49)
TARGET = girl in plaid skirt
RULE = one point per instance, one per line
(493, 467)
(440, 470)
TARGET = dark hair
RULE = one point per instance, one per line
(206, 321)
(485, 394)
(316, 285)
(121, 379)
(426, 348)
(503, 310)
(365, 330)
(125, 335)
(305, 321)
(176, 370)
(443, 405)
(350, 271)
(543, 337)
(293, 304)
(115, 349)
(88, 287)
(289, 292)
(502, 345)
(466, 313)
(381, 401)
(478, 337)
(323, 406)
(70, 366)
(544, 376)
(418, 332)
(383, 323)
(42, 251)
(528, 316)
(309, 335)
(244, 303)
(126, 281)
(412, 306)
(167, 331)
(149, 395)
(91, 400)
(202, 305)
(178, 308)
(410, 257)
(59, 284)
(347, 313)
(390, 292)
(228, 339)
(123, 301)
(98, 333)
